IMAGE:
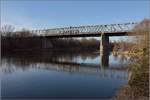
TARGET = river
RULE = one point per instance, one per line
(57, 75)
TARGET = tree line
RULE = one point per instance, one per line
(24, 39)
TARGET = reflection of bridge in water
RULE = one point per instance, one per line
(88, 69)
(69, 67)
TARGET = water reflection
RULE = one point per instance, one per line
(74, 63)
(101, 70)
(104, 60)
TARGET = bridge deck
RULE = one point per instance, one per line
(87, 35)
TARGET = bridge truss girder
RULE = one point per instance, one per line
(112, 28)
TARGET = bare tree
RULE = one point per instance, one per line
(142, 35)
(7, 30)
(24, 33)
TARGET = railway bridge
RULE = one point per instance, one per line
(102, 31)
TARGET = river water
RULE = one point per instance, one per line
(62, 75)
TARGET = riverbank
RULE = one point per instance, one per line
(126, 93)
(127, 53)
(138, 81)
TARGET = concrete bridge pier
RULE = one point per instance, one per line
(104, 50)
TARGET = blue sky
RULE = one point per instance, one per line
(40, 14)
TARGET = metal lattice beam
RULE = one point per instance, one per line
(112, 28)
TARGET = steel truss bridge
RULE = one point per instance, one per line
(86, 31)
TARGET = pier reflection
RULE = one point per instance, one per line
(104, 60)
(84, 63)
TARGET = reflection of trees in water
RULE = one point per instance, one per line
(125, 58)
(51, 56)
(57, 63)
(72, 68)
(14, 61)
(115, 57)
(9, 65)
